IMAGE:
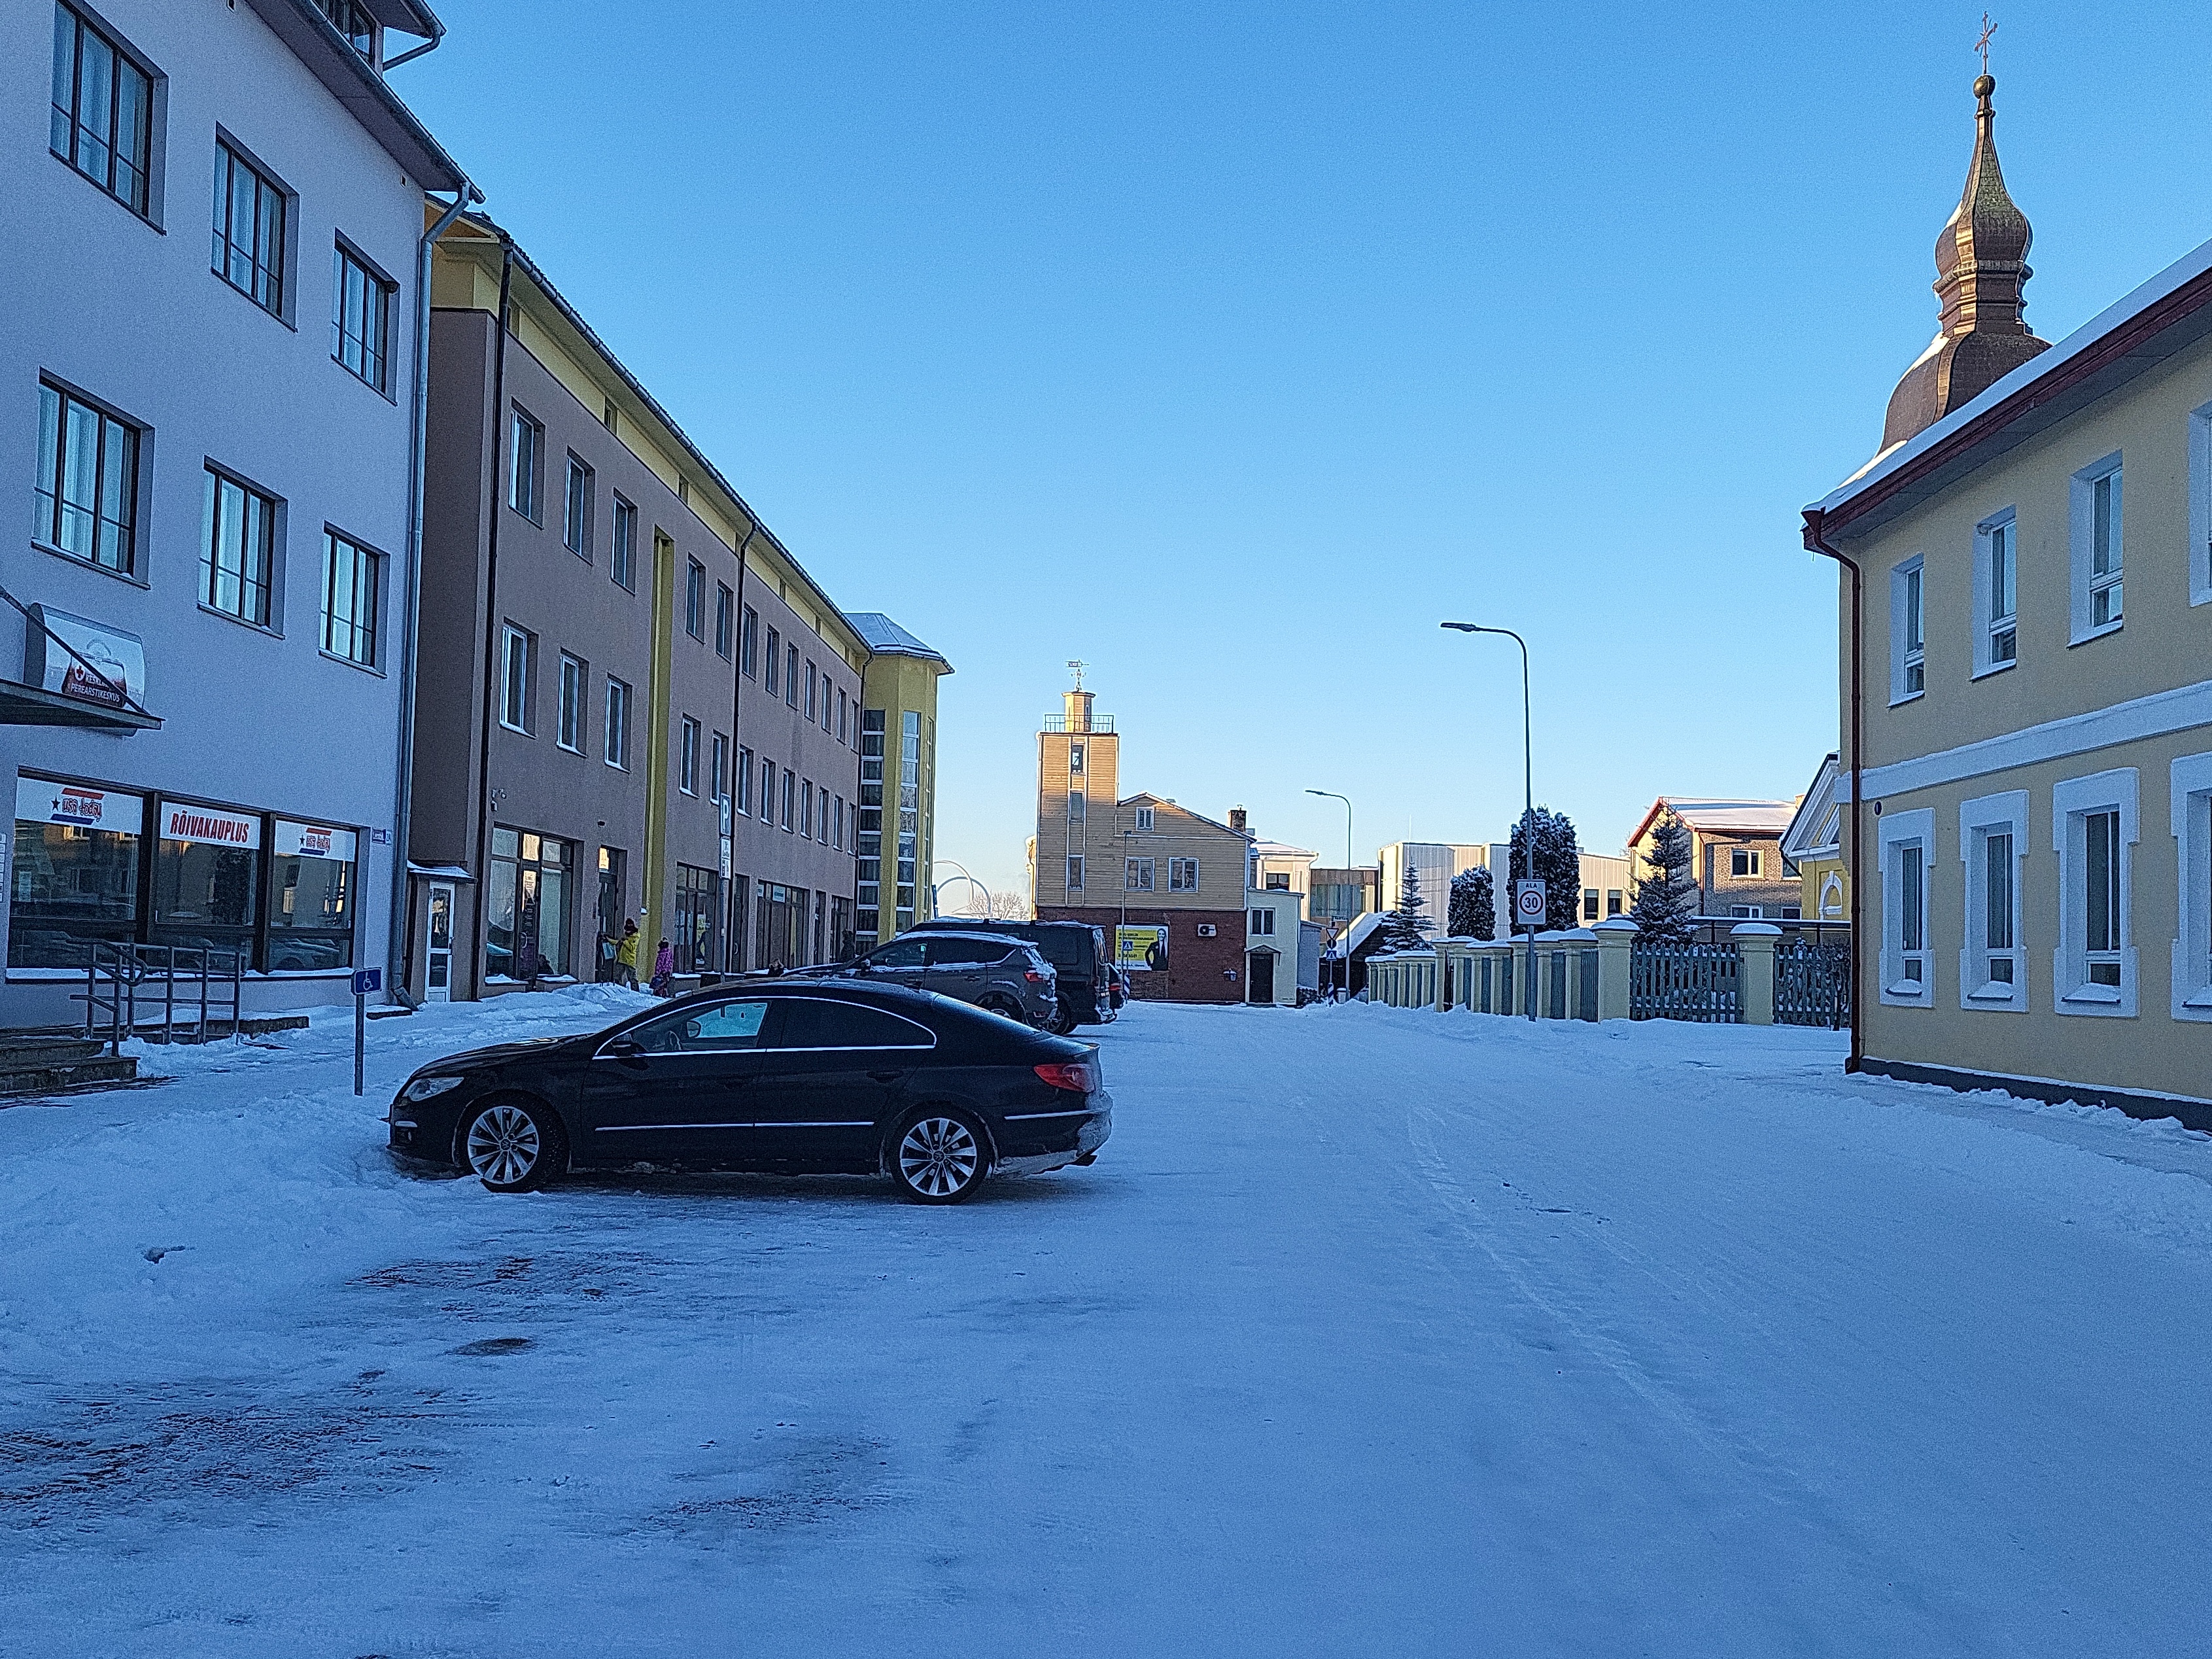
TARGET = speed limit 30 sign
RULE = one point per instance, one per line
(1529, 903)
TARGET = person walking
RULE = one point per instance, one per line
(626, 957)
(664, 969)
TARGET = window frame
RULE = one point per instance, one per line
(743, 804)
(368, 595)
(1754, 860)
(518, 708)
(146, 205)
(576, 515)
(1908, 658)
(772, 682)
(386, 293)
(790, 800)
(2085, 583)
(1183, 875)
(1901, 834)
(1981, 819)
(217, 476)
(2001, 530)
(277, 301)
(791, 674)
(718, 767)
(574, 695)
(695, 599)
(615, 733)
(1078, 807)
(725, 623)
(1133, 867)
(621, 553)
(748, 642)
(1145, 820)
(687, 755)
(2200, 505)
(132, 489)
(2189, 803)
(2073, 801)
(521, 425)
(1259, 922)
(1075, 872)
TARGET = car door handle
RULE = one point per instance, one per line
(885, 1077)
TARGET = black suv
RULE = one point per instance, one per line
(1076, 951)
(1005, 975)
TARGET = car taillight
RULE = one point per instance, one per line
(1077, 1077)
(1033, 977)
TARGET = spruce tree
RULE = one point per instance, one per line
(1558, 863)
(1473, 912)
(1666, 897)
(1402, 928)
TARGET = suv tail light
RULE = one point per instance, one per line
(1033, 977)
(1077, 1077)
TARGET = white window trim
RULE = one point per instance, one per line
(2006, 814)
(2189, 807)
(2082, 493)
(1984, 542)
(1075, 872)
(1143, 817)
(2071, 801)
(509, 635)
(2200, 505)
(1897, 831)
(1900, 577)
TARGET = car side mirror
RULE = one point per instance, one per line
(626, 1050)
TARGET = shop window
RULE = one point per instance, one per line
(207, 878)
(1906, 842)
(87, 490)
(2093, 832)
(360, 320)
(312, 895)
(73, 879)
(2190, 801)
(103, 112)
(526, 902)
(352, 582)
(698, 911)
(1992, 842)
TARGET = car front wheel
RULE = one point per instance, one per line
(514, 1146)
(939, 1157)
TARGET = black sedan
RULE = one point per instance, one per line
(792, 1078)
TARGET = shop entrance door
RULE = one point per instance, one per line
(438, 970)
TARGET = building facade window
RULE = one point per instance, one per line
(1138, 876)
(576, 510)
(623, 556)
(2095, 514)
(1992, 842)
(791, 676)
(812, 680)
(75, 871)
(805, 809)
(249, 230)
(312, 897)
(698, 916)
(517, 651)
(617, 723)
(767, 793)
(1183, 875)
(1747, 862)
(1613, 905)
(526, 491)
(103, 112)
(749, 642)
(774, 664)
(909, 817)
(719, 773)
(790, 819)
(207, 878)
(1997, 593)
(87, 485)
(352, 585)
(1075, 872)
(360, 319)
(2094, 831)
(724, 606)
(1589, 904)
(1076, 806)
(842, 736)
(2190, 800)
(868, 837)
(238, 544)
(687, 756)
(1074, 757)
(695, 599)
(1143, 819)
(837, 828)
(746, 780)
(1908, 640)
(575, 678)
(1907, 843)
(527, 895)
(1263, 923)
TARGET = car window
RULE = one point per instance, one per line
(901, 953)
(960, 952)
(715, 1028)
(819, 1022)
(1063, 950)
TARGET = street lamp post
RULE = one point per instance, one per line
(1351, 868)
(1528, 785)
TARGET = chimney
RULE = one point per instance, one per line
(1238, 820)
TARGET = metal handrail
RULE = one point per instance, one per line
(117, 970)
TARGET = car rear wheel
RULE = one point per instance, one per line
(515, 1146)
(939, 1157)
(1062, 1022)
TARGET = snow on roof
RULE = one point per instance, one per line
(1713, 817)
(1277, 850)
(2191, 265)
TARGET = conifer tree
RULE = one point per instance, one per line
(1666, 896)
(1472, 911)
(1558, 865)
(1403, 928)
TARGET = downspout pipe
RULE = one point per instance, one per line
(494, 507)
(397, 941)
(1816, 541)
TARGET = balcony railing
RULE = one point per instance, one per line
(1102, 724)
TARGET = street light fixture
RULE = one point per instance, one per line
(1331, 794)
(1528, 785)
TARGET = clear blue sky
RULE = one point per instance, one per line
(1231, 348)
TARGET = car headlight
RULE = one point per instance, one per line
(424, 1088)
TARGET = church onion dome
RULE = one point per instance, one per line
(1981, 268)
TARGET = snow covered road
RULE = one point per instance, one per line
(1371, 1332)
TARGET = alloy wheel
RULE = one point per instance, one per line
(938, 1157)
(504, 1145)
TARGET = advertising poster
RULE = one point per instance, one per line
(1140, 949)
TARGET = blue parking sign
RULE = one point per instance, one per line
(368, 981)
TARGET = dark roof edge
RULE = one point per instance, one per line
(574, 319)
(349, 78)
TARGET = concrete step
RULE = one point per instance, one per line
(41, 1053)
(72, 1076)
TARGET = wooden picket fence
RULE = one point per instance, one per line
(1685, 981)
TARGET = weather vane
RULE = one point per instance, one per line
(1982, 46)
(1078, 666)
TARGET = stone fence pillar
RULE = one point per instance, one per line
(1754, 952)
(1616, 950)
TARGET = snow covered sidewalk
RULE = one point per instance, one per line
(1371, 1332)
